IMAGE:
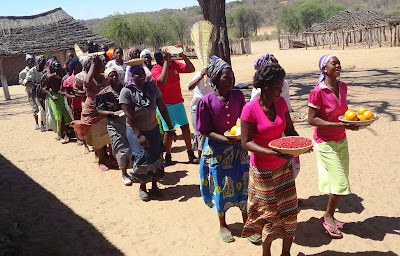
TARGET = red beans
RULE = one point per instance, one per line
(291, 142)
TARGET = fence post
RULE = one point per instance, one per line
(4, 81)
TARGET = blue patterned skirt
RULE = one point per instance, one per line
(224, 176)
(148, 162)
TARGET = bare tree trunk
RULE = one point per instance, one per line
(214, 11)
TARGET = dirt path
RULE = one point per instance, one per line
(64, 206)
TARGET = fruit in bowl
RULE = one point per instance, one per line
(235, 130)
(292, 145)
(362, 115)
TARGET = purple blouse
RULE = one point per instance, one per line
(214, 115)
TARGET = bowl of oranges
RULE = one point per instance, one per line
(362, 118)
(233, 133)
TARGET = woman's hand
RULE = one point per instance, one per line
(143, 141)
(284, 156)
(54, 98)
(166, 55)
(353, 127)
(172, 135)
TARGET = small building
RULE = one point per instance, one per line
(52, 32)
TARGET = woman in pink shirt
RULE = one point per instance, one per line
(326, 102)
(272, 205)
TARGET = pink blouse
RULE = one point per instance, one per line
(265, 130)
(330, 108)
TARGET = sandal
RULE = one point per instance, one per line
(255, 238)
(326, 225)
(126, 180)
(227, 238)
(143, 195)
(103, 168)
(339, 225)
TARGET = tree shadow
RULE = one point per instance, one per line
(46, 226)
(181, 192)
(349, 204)
(173, 178)
(334, 253)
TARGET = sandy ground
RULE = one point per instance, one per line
(64, 205)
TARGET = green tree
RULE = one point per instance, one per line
(288, 20)
(255, 19)
(115, 28)
(238, 20)
(140, 27)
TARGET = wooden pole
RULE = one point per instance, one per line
(3, 81)
(306, 41)
(379, 37)
(342, 40)
(395, 35)
(391, 36)
(384, 33)
(369, 38)
(330, 40)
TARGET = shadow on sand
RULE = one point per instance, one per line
(334, 253)
(41, 224)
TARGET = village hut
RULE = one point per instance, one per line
(52, 32)
(354, 27)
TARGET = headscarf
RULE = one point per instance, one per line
(28, 57)
(72, 64)
(216, 66)
(83, 59)
(263, 60)
(322, 63)
(132, 71)
(108, 71)
(144, 53)
(40, 59)
(132, 50)
(50, 56)
(110, 53)
(55, 64)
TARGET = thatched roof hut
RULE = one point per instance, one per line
(355, 27)
(49, 32)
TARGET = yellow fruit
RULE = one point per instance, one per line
(350, 115)
(368, 115)
(361, 110)
(363, 118)
(234, 130)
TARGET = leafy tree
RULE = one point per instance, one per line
(255, 19)
(115, 28)
(288, 20)
(238, 19)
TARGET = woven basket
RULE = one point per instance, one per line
(291, 151)
(203, 34)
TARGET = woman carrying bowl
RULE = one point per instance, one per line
(326, 102)
(224, 165)
(272, 205)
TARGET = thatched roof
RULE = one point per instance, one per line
(394, 19)
(346, 21)
(50, 31)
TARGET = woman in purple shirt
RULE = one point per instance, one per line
(224, 165)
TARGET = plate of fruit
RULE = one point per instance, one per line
(233, 133)
(362, 118)
(291, 145)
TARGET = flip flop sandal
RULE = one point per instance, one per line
(327, 226)
(103, 168)
(254, 238)
(340, 225)
(227, 238)
(144, 196)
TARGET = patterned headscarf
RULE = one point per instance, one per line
(28, 57)
(216, 66)
(132, 71)
(144, 53)
(322, 63)
(40, 59)
(263, 60)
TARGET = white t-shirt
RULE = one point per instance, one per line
(120, 70)
(200, 90)
(285, 94)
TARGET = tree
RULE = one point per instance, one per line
(255, 19)
(214, 11)
(288, 20)
(238, 18)
(115, 28)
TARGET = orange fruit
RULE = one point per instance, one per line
(234, 130)
(350, 115)
(368, 115)
(363, 118)
(361, 110)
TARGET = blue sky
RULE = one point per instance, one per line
(89, 9)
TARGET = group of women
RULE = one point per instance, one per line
(128, 105)
(263, 187)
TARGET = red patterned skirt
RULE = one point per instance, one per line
(272, 203)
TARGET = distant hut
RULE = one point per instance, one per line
(354, 27)
(50, 32)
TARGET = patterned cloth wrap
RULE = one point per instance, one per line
(264, 60)
(322, 63)
(216, 66)
(224, 175)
